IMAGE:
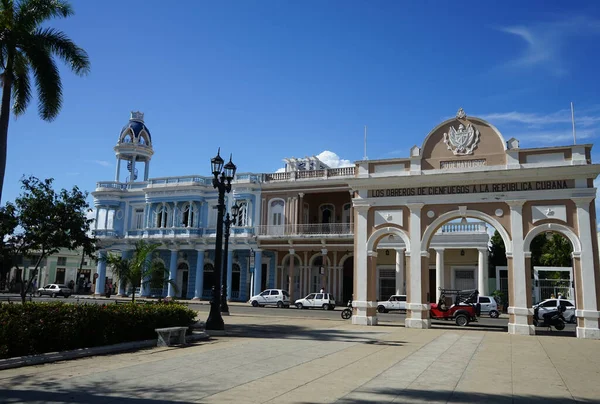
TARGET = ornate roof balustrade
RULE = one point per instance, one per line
(309, 174)
(121, 186)
(187, 180)
(470, 227)
(318, 229)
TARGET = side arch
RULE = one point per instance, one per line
(344, 258)
(379, 233)
(559, 228)
(455, 214)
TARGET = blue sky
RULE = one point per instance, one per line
(272, 79)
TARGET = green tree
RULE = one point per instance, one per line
(27, 49)
(497, 251)
(141, 269)
(8, 224)
(46, 222)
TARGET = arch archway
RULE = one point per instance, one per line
(292, 285)
(378, 234)
(552, 227)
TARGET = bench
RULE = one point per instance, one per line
(165, 334)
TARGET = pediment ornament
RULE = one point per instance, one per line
(462, 141)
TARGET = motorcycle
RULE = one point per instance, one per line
(347, 312)
(553, 318)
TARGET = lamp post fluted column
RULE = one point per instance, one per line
(222, 177)
(227, 222)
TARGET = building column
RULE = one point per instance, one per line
(257, 271)
(439, 273)
(324, 268)
(301, 208)
(291, 273)
(118, 170)
(229, 273)
(587, 313)
(101, 271)
(146, 169)
(190, 214)
(332, 270)
(172, 273)
(132, 174)
(482, 273)
(199, 285)
(520, 314)
(417, 306)
(364, 311)
(145, 286)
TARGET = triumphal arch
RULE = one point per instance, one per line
(465, 169)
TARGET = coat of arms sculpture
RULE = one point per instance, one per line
(462, 141)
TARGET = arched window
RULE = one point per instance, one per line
(187, 218)
(242, 218)
(327, 213)
(208, 279)
(346, 213)
(162, 216)
(142, 139)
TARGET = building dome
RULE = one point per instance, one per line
(136, 131)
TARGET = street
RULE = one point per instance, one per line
(484, 323)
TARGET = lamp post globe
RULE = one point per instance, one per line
(222, 177)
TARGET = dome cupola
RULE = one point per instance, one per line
(134, 146)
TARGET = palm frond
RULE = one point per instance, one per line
(31, 13)
(21, 85)
(61, 45)
(47, 80)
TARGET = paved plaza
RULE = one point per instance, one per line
(265, 359)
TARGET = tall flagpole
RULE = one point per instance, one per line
(365, 156)
(573, 121)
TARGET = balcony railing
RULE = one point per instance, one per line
(121, 185)
(187, 180)
(306, 229)
(473, 227)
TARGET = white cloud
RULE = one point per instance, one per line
(563, 116)
(545, 42)
(103, 163)
(333, 160)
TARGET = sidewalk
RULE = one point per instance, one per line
(284, 360)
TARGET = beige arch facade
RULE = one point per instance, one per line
(465, 169)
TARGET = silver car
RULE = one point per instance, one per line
(55, 290)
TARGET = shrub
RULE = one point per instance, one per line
(33, 328)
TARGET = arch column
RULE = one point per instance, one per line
(125, 254)
(482, 273)
(172, 273)
(199, 274)
(520, 314)
(364, 303)
(101, 271)
(588, 315)
(439, 273)
(257, 271)
(399, 271)
(417, 315)
(291, 273)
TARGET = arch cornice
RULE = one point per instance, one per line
(470, 118)
(455, 214)
(556, 227)
(382, 231)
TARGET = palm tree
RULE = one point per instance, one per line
(136, 272)
(26, 47)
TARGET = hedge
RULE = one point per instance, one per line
(33, 328)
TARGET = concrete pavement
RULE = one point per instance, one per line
(264, 359)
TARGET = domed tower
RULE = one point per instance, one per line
(134, 146)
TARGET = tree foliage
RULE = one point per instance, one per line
(27, 52)
(42, 222)
(143, 268)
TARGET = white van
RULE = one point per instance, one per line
(273, 297)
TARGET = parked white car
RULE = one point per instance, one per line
(273, 297)
(489, 306)
(395, 302)
(323, 301)
(552, 304)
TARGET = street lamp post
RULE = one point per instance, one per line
(228, 221)
(222, 177)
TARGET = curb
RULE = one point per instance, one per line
(31, 360)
